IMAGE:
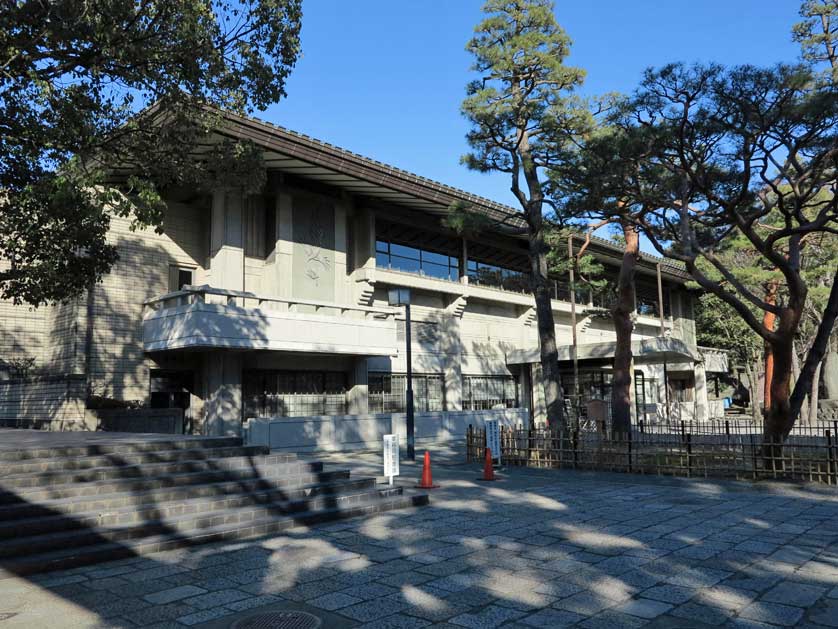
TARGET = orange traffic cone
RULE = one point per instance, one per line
(427, 481)
(488, 470)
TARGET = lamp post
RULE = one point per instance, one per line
(401, 297)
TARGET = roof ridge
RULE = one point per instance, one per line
(457, 192)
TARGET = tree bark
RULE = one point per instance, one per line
(768, 322)
(795, 374)
(779, 418)
(816, 351)
(533, 208)
(623, 325)
(546, 326)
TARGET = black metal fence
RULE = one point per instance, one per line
(809, 457)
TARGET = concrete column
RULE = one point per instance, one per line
(358, 396)
(342, 208)
(363, 256)
(453, 377)
(272, 277)
(223, 402)
(525, 390)
(284, 245)
(701, 406)
(227, 240)
(363, 244)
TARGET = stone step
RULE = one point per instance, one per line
(269, 465)
(187, 524)
(65, 464)
(100, 503)
(103, 550)
(119, 447)
(51, 519)
(148, 483)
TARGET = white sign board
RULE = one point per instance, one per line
(493, 437)
(391, 456)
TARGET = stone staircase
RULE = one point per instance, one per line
(75, 505)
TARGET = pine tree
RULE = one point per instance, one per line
(523, 116)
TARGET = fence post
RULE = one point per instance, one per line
(629, 450)
(727, 428)
(688, 438)
(575, 444)
(469, 441)
(753, 456)
(830, 454)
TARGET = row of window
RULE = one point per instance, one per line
(275, 393)
(390, 255)
(398, 257)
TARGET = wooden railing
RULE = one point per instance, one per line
(242, 299)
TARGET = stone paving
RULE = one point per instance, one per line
(537, 549)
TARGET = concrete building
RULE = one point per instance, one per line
(274, 305)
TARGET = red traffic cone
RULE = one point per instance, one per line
(427, 481)
(488, 470)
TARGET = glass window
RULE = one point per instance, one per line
(482, 393)
(409, 265)
(647, 300)
(403, 251)
(498, 277)
(388, 392)
(179, 277)
(390, 255)
(272, 393)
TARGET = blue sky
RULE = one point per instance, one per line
(385, 78)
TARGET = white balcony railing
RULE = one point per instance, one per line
(206, 317)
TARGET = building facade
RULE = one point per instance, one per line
(274, 305)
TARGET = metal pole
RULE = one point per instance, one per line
(573, 325)
(411, 452)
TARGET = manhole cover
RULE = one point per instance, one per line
(279, 620)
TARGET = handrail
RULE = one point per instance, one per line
(702, 348)
(205, 289)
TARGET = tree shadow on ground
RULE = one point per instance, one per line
(572, 547)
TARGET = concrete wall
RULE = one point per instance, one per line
(356, 432)
(155, 420)
(44, 403)
(325, 250)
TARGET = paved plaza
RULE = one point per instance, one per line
(536, 549)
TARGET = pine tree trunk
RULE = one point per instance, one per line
(546, 325)
(623, 325)
(768, 322)
(817, 351)
(779, 418)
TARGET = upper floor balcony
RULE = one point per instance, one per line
(201, 317)
(715, 360)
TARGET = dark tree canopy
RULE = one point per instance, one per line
(73, 150)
